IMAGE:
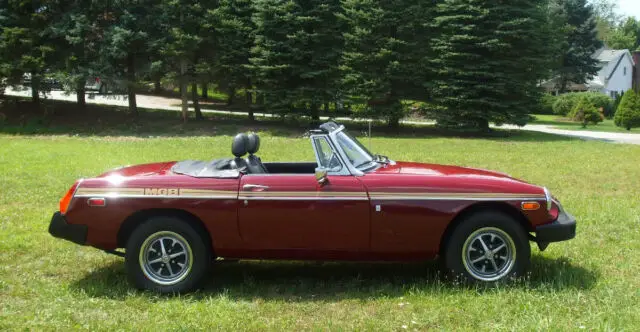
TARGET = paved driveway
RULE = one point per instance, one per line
(154, 102)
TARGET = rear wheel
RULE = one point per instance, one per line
(487, 247)
(166, 254)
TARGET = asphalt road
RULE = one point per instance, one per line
(172, 104)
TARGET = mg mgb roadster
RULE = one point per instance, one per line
(173, 219)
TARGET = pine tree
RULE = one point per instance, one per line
(578, 64)
(79, 31)
(129, 29)
(188, 42)
(489, 58)
(585, 112)
(297, 54)
(386, 47)
(628, 113)
(26, 44)
(234, 33)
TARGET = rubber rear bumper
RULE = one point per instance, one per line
(562, 229)
(61, 229)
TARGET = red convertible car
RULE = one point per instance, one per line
(174, 218)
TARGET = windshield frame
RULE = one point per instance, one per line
(357, 171)
(365, 158)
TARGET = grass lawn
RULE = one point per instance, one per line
(590, 282)
(563, 123)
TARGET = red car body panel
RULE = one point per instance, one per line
(398, 212)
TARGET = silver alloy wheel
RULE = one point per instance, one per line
(166, 258)
(489, 254)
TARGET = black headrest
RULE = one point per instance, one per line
(239, 146)
(254, 143)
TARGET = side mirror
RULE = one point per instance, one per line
(321, 176)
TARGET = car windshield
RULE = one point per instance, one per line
(358, 155)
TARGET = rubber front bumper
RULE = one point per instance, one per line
(562, 229)
(61, 229)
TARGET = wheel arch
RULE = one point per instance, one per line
(503, 207)
(138, 218)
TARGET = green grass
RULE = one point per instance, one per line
(590, 282)
(563, 123)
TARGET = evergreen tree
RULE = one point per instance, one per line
(26, 44)
(129, 29)
(234, 32)
(188, 41)
(489, 58)
(585, 112)
(78, 28)
(628, 113)
(297, 54)
(386, 47)
(578, 64)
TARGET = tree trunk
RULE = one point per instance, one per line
(483, 124)
(563, 85)
(249, 100)
(205, 90)
(157, 86)
(231, 97)
(315, 113)
(80, 95)
(35, 88)
(131, 82)
(183, 89)
(393, 122)
(196, 102)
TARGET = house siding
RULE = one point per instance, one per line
(622, 78)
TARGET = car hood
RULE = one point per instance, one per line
(140, 170)
(402, 167)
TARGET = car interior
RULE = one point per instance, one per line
(243, 144)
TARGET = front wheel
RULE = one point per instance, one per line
(488, 247)
(165, 254)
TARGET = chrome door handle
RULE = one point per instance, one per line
(255, 187)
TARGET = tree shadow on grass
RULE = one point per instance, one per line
(334, 281)
(64, 118)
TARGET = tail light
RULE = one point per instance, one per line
(66, 200)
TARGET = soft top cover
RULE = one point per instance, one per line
(218, 168)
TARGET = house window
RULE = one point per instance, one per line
(613, 94)
(625, 71)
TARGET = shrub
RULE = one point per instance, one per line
(563, 104)
(628, 113)
(585, 113)
(601, 102)
(567, 102)
(546, 104)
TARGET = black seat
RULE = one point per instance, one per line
(239, 149)
(253, 162)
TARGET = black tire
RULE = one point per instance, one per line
(155, 240)
(487, 230)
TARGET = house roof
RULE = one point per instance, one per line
(607, 57)
(604, 55)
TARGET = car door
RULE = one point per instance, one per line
(295, 211)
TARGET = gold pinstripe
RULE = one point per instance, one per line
(222, 194)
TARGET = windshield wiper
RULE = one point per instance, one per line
(382, 159)
(364, 163)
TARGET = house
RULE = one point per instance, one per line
(615, 77)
